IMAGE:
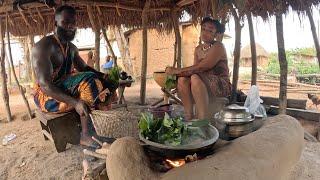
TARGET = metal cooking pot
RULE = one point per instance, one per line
(201, 148)
(235, 121)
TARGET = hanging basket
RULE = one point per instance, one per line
(115, 123)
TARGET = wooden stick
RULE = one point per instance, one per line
(91, 18)
(5, 95)
(185, 2)
(144, 54)
(297, 113)
(48, 135)
(104, 33)
(99, 11)
(24, 17)
(94, 154)
(10, 20)
(40, 15)
(14, 74)
(309, 137)
(172, 96)
(95, 139)
(177, 50)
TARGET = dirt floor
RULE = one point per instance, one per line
(29, 156)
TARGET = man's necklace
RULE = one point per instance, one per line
(206, 48)
(64, 50)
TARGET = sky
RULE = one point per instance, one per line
(297, 34)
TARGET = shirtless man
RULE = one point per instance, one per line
(58, 88)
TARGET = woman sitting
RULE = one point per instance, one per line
(209, 76)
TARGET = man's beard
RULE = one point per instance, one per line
(67, 35)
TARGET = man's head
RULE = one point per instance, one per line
(108, 58)
(210, 28)
(65, 22)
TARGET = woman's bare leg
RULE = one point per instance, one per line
(200, 96)
(184, 91)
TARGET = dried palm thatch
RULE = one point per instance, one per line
(31, 17)
(246, 51)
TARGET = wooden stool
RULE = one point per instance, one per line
(60, 128)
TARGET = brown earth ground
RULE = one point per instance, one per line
(29, 156)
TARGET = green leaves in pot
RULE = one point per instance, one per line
(171, 82)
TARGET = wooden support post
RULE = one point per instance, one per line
(27, 56)
(124, 49)
(283, 65)
(22, 91)
(5, 94)
(144, 54)
(314, 34)
(104, 32)
(177, 50)
(236, 54)
(30, 46)
(91, 18)
(253, 51)
(96, 56)
(9, 70)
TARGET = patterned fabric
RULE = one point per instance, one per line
(217, 80)
(83, 85)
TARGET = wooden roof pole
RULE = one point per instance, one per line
(5, 94)
(24, 17)
(314, 34)
(104, 33)
(177, 50)
(21, 89)
(236, 54)
(91, 18)
(283, 65)
(253, 51)
(40, 15)
(185, 2)
(144, 54)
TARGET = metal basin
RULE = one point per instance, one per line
(203, 147)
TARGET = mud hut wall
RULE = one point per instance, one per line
(190, 40)
(160, 51)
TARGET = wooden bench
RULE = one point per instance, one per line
(60, 128)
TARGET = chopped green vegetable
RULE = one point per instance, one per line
(114, 75)
(171, 131)
(171, 82)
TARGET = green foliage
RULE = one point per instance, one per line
(294, 63)
(114, 75)
(170, 131)
(171, 82)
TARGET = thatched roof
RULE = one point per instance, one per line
(246, 51)
(33, 17)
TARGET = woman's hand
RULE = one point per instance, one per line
(172, 71)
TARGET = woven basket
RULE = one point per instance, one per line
(115, 123)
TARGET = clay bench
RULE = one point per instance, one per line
(60, 128)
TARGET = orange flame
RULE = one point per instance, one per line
(176, 163)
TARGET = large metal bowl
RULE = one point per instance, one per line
(203, 147)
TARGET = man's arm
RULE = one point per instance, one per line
(43, 71)
(81, 66)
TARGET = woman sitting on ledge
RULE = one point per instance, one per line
(209, 76)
